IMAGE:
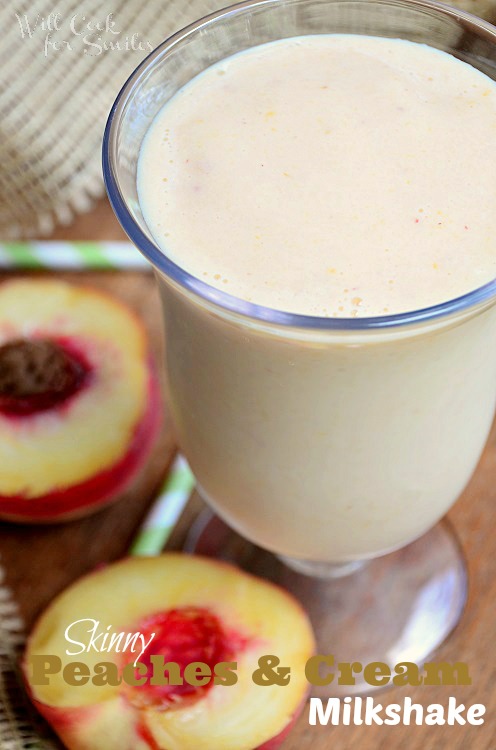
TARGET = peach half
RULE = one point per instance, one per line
(80, 404)
(200, 612)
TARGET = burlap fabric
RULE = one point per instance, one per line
(482, 8)
(20, 727)
(62, 62)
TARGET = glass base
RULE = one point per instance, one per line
(321, 569)
(399, 607)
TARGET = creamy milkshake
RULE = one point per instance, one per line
(342, 177)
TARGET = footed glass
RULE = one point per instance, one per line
(333, 445)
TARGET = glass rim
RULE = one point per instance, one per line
(229, 302)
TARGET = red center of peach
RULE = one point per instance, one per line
(183, 636)
(39, 374)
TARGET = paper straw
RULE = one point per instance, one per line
(165, 511)
(71, 256)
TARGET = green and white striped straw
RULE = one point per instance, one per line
(71, 256)
(166, 510)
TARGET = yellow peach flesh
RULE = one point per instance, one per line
(237, 717)
(54, 450)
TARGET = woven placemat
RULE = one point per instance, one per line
(481, 8)
(62, 63)
(59, 84)
(20, 726)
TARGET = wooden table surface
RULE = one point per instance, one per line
(41, 561)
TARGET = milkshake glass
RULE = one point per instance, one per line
(327, 441)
